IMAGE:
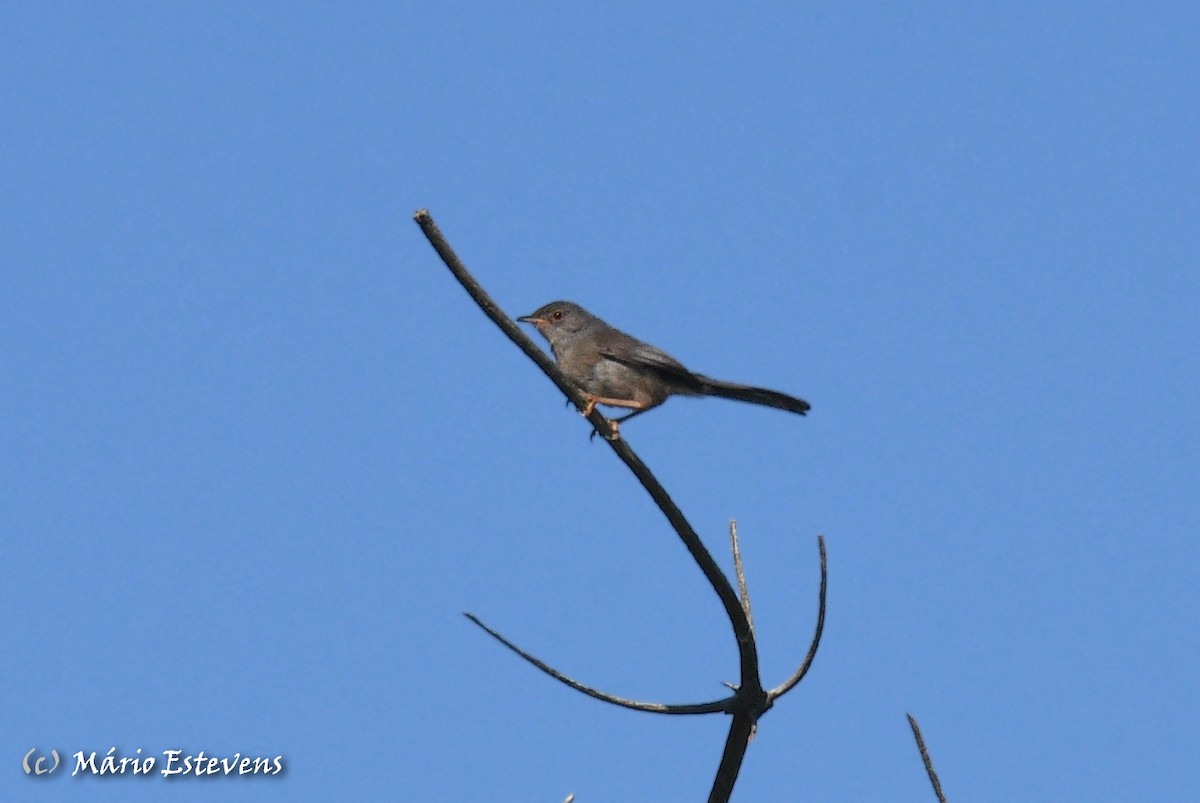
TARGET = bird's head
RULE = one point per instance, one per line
(558, 319)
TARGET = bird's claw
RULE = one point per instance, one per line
(616, 431)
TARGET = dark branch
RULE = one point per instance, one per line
(933, 779)
(747, 651)
(653, 708)
(740, 734)
(790, 683)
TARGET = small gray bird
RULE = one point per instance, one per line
(613, 368)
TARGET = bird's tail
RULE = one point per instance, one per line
(746, 393)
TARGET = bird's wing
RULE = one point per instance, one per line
(637, 354)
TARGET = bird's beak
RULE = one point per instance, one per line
(531, 319)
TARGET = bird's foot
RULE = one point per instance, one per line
(614, 430)
(586, 412)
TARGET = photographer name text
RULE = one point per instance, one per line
(174, 764)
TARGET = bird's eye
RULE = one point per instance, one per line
(556, 315)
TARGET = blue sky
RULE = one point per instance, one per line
(258, 451)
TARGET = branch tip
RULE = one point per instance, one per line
(925, 759)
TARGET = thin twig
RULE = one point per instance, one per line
(740, 572)
(799, 674)
(713, 707)
(933, 778)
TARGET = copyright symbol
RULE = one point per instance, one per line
(39, 765)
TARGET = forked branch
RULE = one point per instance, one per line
(749, 700)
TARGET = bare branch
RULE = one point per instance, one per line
(653, 708)
(747, 651)
(790, 683)
(740, 572)
(933, 779)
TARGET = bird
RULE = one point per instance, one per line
(617, 369)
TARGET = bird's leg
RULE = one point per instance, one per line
(629, 404)
(587, 411)
(615, 423)
(629, 416)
